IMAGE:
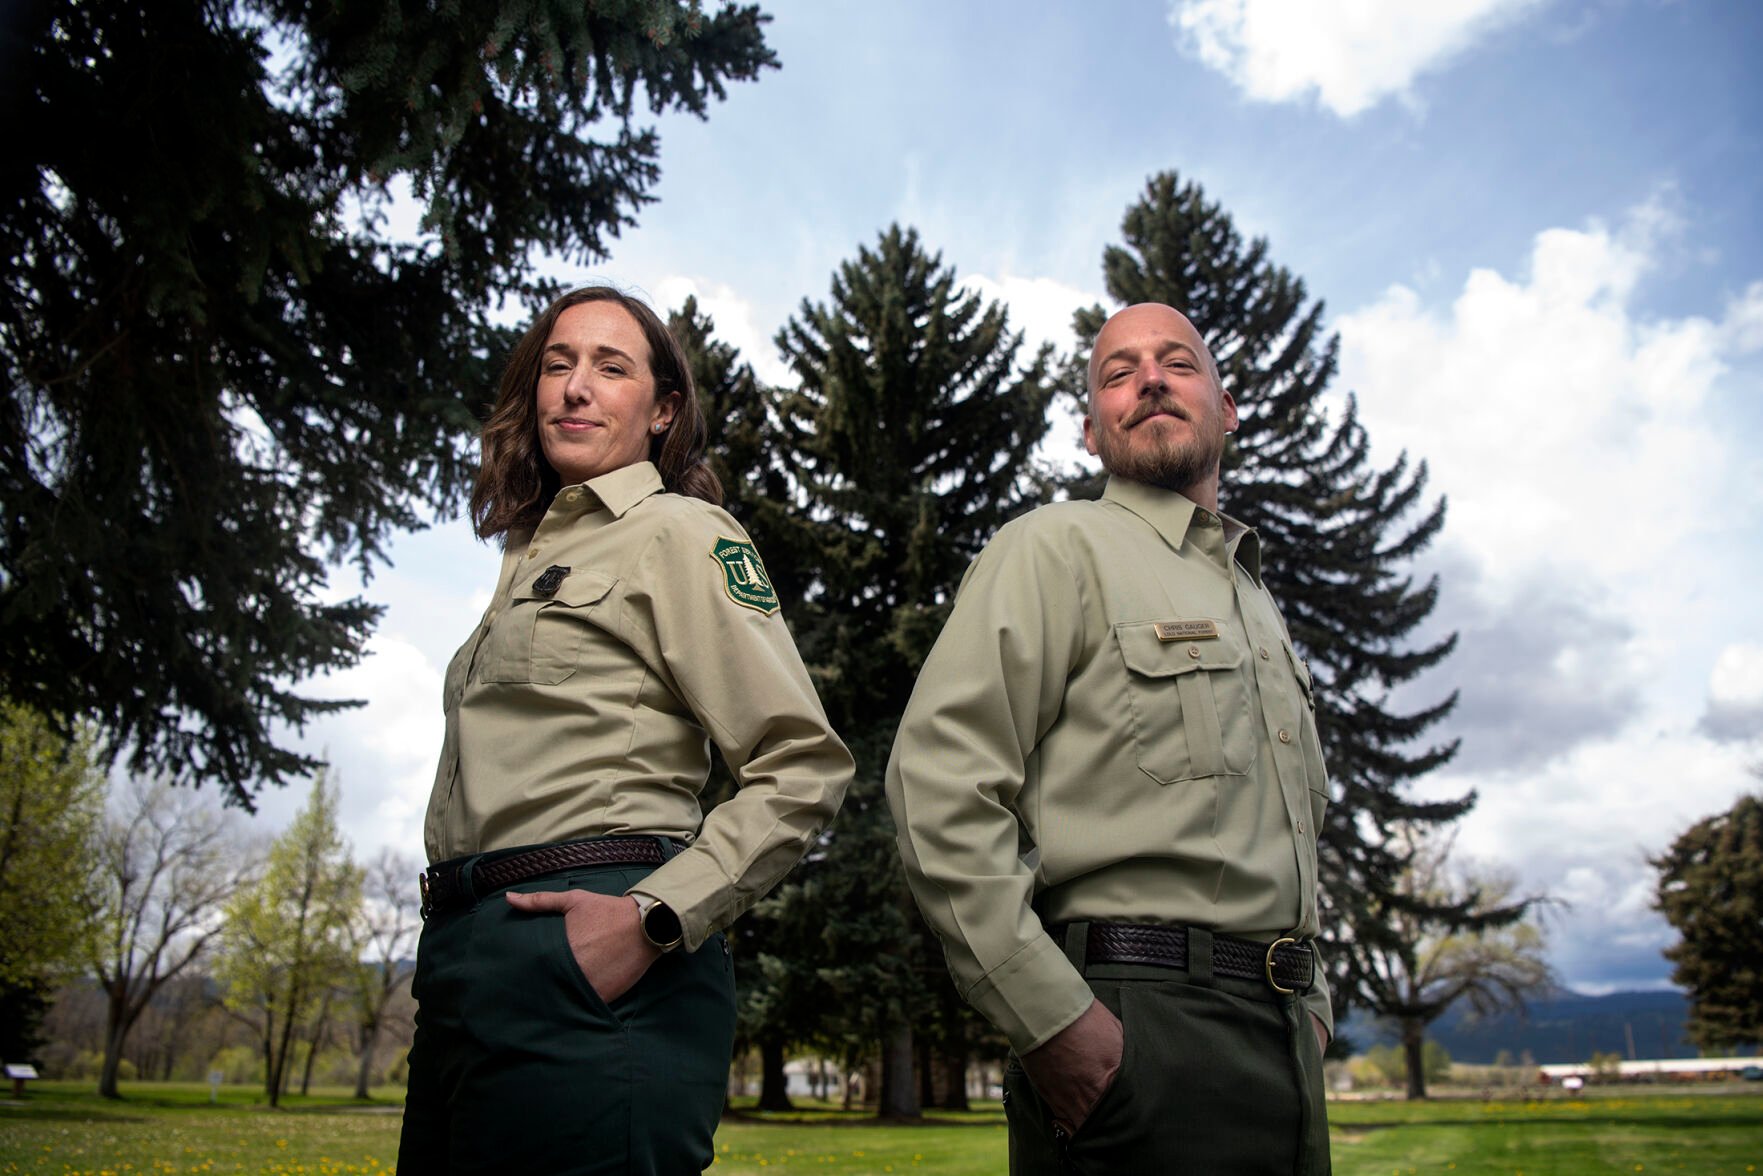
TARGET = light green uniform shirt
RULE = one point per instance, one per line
(1114, 727)
(584, 705)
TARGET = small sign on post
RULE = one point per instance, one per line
(214, 1080)
(20, 1073)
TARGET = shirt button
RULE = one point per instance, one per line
(1193, 651)
(1285, 736)
(1264, 653)
(1300, 826)
(575, 493)
(532, 553)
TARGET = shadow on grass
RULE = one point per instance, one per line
(834, 1117)
(65, 1114)
(1675, 1122)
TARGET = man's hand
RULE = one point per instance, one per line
(1072, 1069)
(609, 945)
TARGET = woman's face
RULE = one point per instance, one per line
(596, 398)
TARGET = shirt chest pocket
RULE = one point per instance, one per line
(538, 638)
(1190, 706)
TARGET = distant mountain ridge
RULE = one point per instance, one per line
(1565, 1026)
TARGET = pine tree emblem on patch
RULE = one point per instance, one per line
(743, 576)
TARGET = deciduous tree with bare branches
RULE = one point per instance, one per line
(1448, 933)
(167, 861)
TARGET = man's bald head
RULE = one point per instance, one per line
(1158, 412)
(1154, 315)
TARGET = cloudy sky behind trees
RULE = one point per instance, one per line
(1535, 226)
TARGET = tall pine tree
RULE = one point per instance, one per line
(907, 441)
(222, 369)
(1338, 536)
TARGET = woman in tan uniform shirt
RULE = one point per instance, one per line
(576, 1001)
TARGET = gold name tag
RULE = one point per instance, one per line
(1186, 630)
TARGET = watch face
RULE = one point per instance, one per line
(661, 926)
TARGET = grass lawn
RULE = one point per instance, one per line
(63, 1129)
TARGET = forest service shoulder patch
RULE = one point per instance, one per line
(743, 576)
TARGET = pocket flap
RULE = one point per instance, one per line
(576, 590)
(1154, 657)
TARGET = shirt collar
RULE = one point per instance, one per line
(626, 486)
(1171, 513)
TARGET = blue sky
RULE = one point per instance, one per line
(1535, 226)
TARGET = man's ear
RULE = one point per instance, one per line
(1090, 435)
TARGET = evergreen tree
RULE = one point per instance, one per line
(1338, 535)
(906, 443)
(223, 369)
(1711, 889)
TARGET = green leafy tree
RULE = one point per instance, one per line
(906, 442)
(286, 946)
(193, 224)
(382, 944)
(1339, 535)
(167, 862)
(1449, 935)
(1710, 889)
(51, 800)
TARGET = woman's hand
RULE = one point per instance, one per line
(609, 945)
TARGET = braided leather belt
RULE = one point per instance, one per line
(444, 884)
(1286, 964)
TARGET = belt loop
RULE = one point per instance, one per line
(1077, 944)
(668, 847)
(466, 868)
(1200, 957)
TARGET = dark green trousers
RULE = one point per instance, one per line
(518, 1066)
(1221, 1077)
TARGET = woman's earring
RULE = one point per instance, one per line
(656, 427)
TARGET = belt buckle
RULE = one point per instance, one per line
(1271, 948)
(422, 884)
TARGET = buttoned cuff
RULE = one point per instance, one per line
(694, 889)
(1032, 995)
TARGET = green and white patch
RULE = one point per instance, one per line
(743, 575)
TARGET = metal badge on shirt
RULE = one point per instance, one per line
(743, 575)
(1186, 630)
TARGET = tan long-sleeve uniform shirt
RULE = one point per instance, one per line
(1113, 725)
(584, 702)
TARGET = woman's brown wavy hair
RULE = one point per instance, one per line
(515, 484)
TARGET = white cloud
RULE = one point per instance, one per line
(1735, 694)
(734, 319)
(1350, 55)
(1737, 679)
(1557, 422)
(1040, 308)
(1595, 558)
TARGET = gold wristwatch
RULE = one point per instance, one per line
(660, 925)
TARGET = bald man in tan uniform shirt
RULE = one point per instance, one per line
(1108, 786)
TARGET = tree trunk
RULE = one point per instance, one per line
(955, 1079)
(899, 1094)
(1413, 1039)
(774, 1092)
(116, 1029)
(927, 1073)
(370, 1038)
(319, 1026)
